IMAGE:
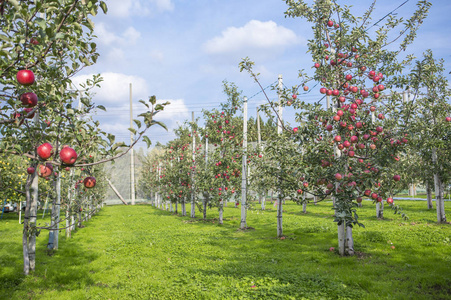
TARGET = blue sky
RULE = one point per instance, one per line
(182, 50)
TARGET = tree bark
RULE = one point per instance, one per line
(439, 188)
(279, 215)
(379, 210)
(183, 207)
(349, 245)
(304, 204)
(341, 239)
(204, 205)
(32, 217)
(221, 212)
(429, 196)
(193, 207)
(26, 229)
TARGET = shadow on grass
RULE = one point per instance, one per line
(63, 270)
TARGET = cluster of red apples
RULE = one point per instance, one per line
(351, 130)
(67, 155)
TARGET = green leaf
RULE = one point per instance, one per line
(101, 107)
(40, 22)
(4, 38)
(104, 7)
(143, 102)
(147, 140)
(60, 35)
(138, 123)
(132, 130)
(158, 123)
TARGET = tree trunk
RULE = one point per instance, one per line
(304, 204)
(193, 207)
(26, 229)
(262, 200)
(176, 207)
(379, 210)
(79, 220)
(183, 207)
(32, 219)
(204, 205)
(439, 201)
(341, 239)
(221, 211)
(279, 216)
(53, 233)
(429, 196)
(349, 244)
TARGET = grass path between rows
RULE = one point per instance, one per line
(140, 252)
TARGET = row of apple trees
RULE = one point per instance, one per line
(370, 141)
(203, 165)
(44, 118)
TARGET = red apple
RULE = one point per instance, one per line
(68, 155)
(29, 99)
(390, 200)
(89, 182)
(330, 23)
(338, 176)
(25, 77)
(27, 111)
(30, 170)
(45, 170)
(45, 151)
(448, 119)
(396, 178)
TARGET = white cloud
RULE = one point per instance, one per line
(254, 35)
(115, 55)
(115, 88)
(176, 111)
(128, 8)
(163, 5)
(157, 55)
(107, 37)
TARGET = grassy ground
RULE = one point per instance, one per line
(141, 252)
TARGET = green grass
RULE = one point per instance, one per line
(140, 252)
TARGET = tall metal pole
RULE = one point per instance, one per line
(244, 171)
(259, 134)
(132, 155)
(193, 209)
(279, 131)
(279, 119)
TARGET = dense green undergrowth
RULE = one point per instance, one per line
(140, 252)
